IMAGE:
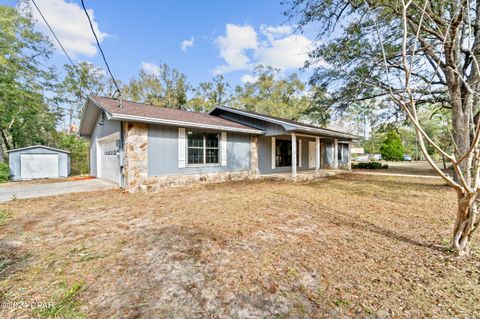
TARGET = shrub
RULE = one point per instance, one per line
(392, 148)
(4, 172)
(370, 165)
(78, 149)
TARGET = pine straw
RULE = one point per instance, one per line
(353, 245)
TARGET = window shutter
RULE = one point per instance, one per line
(181, 147)
(273, 153)
(299, 153)
(223, 148)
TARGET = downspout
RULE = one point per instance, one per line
(122, 156)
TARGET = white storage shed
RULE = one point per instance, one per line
(38, 161)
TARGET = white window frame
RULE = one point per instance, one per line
(204, 164)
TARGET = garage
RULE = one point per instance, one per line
(108, 164)
(38, 161)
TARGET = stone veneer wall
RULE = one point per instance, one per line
(136, 165)
(136, 155)
(254, 155)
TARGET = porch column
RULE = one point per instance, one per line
(317, 154)
(294, 155)
(349, 163)
(335, 154)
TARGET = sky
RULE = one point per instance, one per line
(200, 38)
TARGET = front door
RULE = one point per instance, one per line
(312, 154)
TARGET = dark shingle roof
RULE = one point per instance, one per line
(155, 112)
(286, 121)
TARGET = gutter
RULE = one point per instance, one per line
(136, 118)
(297, 127)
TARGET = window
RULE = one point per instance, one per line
(342, 150)
(283, 153)
(202, 148)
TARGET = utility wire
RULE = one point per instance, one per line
(75, 68)
(100, 48)
(55, 36)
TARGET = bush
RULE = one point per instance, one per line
(392, 147)
(78, 149)
(370, 165)
(4, 173)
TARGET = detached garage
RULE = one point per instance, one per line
(38, 162)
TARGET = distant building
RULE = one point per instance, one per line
(358, 150)
(73, 129)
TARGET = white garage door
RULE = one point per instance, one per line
(38, 165)
(109, 161)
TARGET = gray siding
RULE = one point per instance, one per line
(15, 162)
(269, 128)
(163, 153)
(99, 131)
(327, 156)
(265, 155)
(345, 154)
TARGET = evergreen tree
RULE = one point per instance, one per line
(392, 148)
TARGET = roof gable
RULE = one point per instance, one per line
(38, 146)
(140, 112)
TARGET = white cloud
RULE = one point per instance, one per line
(150, 68)
(233, 47)
(70, 24)
(248, 78)
(272, 32)
(242, 48)
(285, 53)
(187, 44)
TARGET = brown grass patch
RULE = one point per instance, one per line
(353, 245)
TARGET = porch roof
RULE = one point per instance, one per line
(289, 125)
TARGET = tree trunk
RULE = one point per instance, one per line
(465, 224)
(2, 154)
(461, 117)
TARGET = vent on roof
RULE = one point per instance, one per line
(120, 98)
(117, 95)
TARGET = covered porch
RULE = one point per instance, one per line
(302, 156)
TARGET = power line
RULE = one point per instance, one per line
(55, 36)
(100, 48)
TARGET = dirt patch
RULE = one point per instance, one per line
(353, 245)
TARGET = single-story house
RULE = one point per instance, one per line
(142, 146)
(38, 161)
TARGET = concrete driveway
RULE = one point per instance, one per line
(48, 189)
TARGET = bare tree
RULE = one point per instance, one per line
(465, 160)
(411, 53)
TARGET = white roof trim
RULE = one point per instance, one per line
(280, 122)
(38, 146)
(154, 120)
(126, 117)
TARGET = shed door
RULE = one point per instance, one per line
(38, 165)
(109, 161)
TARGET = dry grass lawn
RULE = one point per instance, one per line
(408, 168)
(347, 246)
